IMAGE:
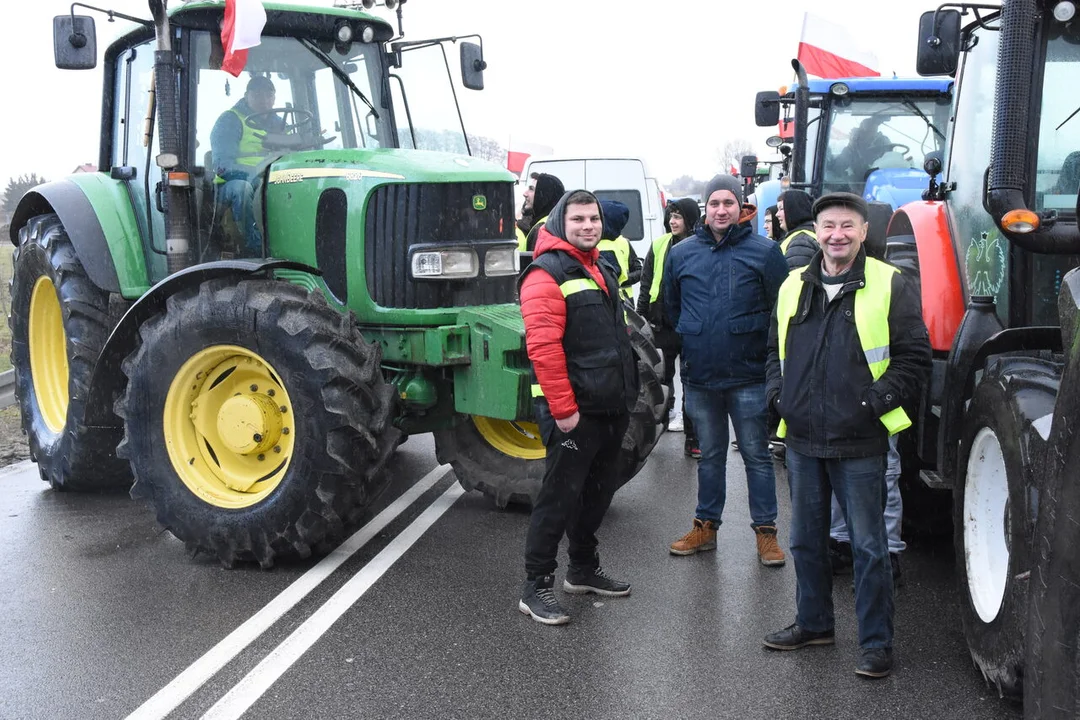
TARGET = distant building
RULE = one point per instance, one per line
(85, 167)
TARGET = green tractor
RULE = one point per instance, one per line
(253, 393)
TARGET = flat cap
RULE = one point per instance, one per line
(843, 199)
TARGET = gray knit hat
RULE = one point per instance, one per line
(723, 182)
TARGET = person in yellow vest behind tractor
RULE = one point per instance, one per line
(680, 219)
(617, 250)
(237, 148)
(799, 242)
(847, 349)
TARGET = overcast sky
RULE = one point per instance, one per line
(670, 82)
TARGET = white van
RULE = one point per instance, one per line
(624, 179)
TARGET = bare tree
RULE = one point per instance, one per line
(732, 153)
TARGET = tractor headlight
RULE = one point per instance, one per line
(445, 264)
(503, 261)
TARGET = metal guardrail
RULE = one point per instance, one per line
(7, 388)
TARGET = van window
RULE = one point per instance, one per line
(635, 226)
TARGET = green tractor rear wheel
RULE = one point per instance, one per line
(257, 420)
(59, 323)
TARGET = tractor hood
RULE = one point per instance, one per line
(385, 164)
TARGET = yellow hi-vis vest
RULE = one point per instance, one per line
(871, 323)
(523, 238)
(251, 151)
(787, 241)
(659, 251)
(621, 247)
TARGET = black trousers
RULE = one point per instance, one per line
(579, 482)
(671, 350)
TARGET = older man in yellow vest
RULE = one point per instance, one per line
(847, 349)
(236, 144)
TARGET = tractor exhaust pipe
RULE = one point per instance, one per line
(802, 115)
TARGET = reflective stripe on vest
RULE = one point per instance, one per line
(659, 251)
(871, 323)
(250, 151)
(787, 241)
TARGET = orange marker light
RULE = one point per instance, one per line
(1020, 221)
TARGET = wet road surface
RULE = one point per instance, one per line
(106, 616)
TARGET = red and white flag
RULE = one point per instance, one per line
(242, 29)
(828, 50)
(520, 152)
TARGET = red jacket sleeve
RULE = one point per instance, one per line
(544, 309)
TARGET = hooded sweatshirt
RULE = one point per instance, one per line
(798, 217)
(549, 189)
(616, 215)
(654, 311)
(543, 307)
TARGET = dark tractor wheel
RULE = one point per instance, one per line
(505, 459)
(994, 506)
(256, 420)
(59, 323)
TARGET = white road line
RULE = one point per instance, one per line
(238, 700)
(169, 697)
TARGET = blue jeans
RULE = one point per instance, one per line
(894, 506)
(709, 410)
(237, 194)
(859, 484)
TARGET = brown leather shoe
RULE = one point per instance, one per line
(768, 550)
(701, 537)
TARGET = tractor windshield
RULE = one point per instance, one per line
(425, 101)
(289, 90)
(867, 134)
(1058, 178)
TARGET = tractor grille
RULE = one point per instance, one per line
(400, 216)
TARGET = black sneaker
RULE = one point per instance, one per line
(538, 600)
(692, 449)
(579, 582)
(794, 637)
(840, 557)
(874, 662)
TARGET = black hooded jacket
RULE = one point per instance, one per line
(549, 189)
(797, 216)
(654, 312)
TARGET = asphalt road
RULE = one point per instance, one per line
(105, 616)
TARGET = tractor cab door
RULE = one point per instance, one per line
(133, 149)
(425, 101)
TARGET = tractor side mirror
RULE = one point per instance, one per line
(767, 108)
(472, 66)
(748, 166)
(939, 43)
(74, 42)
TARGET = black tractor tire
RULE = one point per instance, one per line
(994, 504)
(70, 455)
(515, 479)
(328, 379)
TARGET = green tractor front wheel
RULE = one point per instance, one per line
(59, 323)
(256, 420)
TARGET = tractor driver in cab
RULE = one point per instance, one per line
(865, 146)
(237, 148)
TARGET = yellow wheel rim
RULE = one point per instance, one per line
(228, 426)
(516, 439)
(48, 354)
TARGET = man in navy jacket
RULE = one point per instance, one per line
(719, 290)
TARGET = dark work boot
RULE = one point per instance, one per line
(794, 637)
(538, 601)
(874, 662)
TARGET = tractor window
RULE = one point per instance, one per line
(1058, 176)
(312, 107)
(424, 102)
(867, 134)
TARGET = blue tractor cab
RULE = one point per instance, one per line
(868, 136)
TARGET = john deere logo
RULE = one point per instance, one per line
(479, 202)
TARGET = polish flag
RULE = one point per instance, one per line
(519, 154)
(827, 50)
(244, 21)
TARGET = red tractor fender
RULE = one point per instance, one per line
(926, 223)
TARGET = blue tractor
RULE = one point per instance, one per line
(869, 136)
